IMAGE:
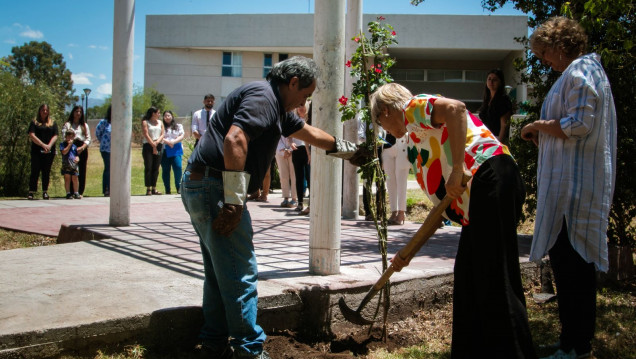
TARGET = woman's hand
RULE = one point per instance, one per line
(398, 262)
(529, 132)
(454, 186)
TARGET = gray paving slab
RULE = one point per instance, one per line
(117, 285)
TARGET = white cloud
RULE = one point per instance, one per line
(101, 77)
(9, 41)
(70, 56)
(33, 34)
(72, 45)
(105, 89)
(102, 47)
(82, 78)
(92, 46)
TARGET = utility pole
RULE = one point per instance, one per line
(326, 171)
(123, 43)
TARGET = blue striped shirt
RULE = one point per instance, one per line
(575, 177)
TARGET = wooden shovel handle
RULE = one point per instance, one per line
(430, 225)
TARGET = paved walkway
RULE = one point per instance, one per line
(145, 280)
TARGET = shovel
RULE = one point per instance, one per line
(426, 230)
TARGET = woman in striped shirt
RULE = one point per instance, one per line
(576, 135)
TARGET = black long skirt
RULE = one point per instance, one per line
(489, 307)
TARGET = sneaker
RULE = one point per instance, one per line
(45, 195)
(299, 207)
(284, 203)
(69, 195)
(77, 196)
(560, 354)
(292, 204)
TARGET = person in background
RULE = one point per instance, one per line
(576, 173)
(396, 167)
(286, 173)
(43, 134)
(201, 117)
(305, 211)
(77, 123)
(172, 152)
(489, 307)
(153, 132)
(231, 161)
(496, 109)
(102, 133)
(300, 158)
(70, 159)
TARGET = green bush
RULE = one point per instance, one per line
(19, 102)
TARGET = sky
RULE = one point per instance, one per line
(82, 31)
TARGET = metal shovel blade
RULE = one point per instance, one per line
(351, 315)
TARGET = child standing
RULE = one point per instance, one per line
(70, 160)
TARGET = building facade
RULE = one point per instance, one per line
(188, 56)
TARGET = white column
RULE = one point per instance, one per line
(121, 122)
(350, 195)
(326, 172)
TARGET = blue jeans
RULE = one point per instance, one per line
(106, 174)
(230, 298)
(175, 164)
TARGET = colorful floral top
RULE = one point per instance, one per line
(430, 154)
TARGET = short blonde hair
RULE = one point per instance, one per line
(390, 95)
(560, 33)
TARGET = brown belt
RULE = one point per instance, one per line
(198, 172)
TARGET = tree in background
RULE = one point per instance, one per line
(37, 63)
(611, 28)
(19, 102)
(143, 99)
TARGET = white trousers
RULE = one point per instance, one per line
(287, 176)
(396, 167)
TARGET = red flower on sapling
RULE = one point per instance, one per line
(378, 70)
(381, 18)
(357, 39)
(343, 101)
(393, 33)
(348, 63)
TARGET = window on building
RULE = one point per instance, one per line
(232, 64)
(282, 57)
(267, 64)
(476, 76)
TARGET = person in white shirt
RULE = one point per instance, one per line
(201, 117)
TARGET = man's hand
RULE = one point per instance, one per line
(342, 149)
(228, 219)
(361, 157)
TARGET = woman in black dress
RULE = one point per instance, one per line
(496, 110)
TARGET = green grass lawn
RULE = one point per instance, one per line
(95, 169)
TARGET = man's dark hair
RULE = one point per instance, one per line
(298, 66)
(208, 96)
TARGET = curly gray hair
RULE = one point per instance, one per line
(298, 66)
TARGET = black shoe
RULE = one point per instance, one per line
(168, 192)
(69, 196)
(45, 195)
(30, 196)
